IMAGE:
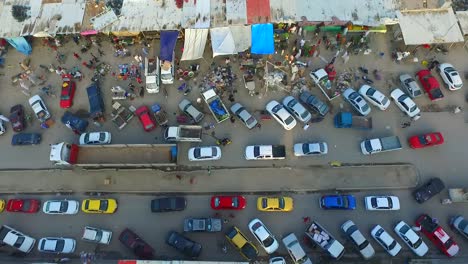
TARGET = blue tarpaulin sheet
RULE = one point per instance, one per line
(262, 39)
(20, 44)
(168, 42)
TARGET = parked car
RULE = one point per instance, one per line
(75, 123)
(275, 204)
(356, 101)
(411, 239)
(240, 241)
(17, 118)
(406, 104)
(431, 188)
(99, 206)
(374, 96)
(430, 85)
(313, 102)
(202, 225)
(146, 118)
(310, 149)
(437, 235)
(426, 140)
(343, 202)
(410, 85)
(138, 246)
(277, 260)
(378, 203)
(23, 205)
(186, 246)
(461, 225)
(2, 127)
(56, 245)
(359, 241)
(21, 139)
(243, 115)
(281, 115)
(295, 250)
(297, 109)
(2, 205)
(16, 239)
(67, 94)
(96, 235)
(168, 204)
(95, 138)
(228, 202)
(187, 107)
(450, 76)
(69, 207)
(39, 108)
(266, 239)
(204, 153)
(385, 240)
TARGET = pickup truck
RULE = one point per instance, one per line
(320, 236)
(185, 133)
(377, 145)
(347, 120)
(152, 69)
(265, 152)
(96, 104)
(320, 78)
(16, 239)
(216, 106)
(202, 225)
(97, 235)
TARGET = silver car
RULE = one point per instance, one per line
(460, 224)
(310, 149)
(411, 239)
(361, 243)
(298, 110)
(95, 138)
(190, 110)
(410, 85)
(56, 245)
(357, 101)
(61, 207)
(295, 250)
(246, 118)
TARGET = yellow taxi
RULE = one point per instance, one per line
(99, 206)
(275, 204)
(2, 205)
(240, 241)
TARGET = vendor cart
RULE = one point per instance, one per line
(120, 115)
(249, 83)
(458, 195)
(160, 115)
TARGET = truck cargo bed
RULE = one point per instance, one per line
(390, 143)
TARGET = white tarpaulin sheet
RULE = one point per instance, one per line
(195, 42)
(222, 41)
(242, 37)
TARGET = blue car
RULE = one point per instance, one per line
(341, 202)
(76, 124)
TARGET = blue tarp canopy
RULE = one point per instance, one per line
(20, 44)
(262, 39)
(168, 42)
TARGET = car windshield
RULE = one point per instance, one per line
(65, 97)
(322, 147)
(353, 95)
(402, 98)
(103, 205)
(63, 206)
(264, 202)
(86, 137)
(409, 80)
(276, 108)
(305, 148)
(413, 108)
(196, 153)
(363, 245)
(448, 243)
(268, 241)
(250, 120)
(417, 243)
(19, 241)
(281, 202)
(304, 114)
(214, 151)
(384, 100)
(368, 147)
(216, 201)
(289, 120)
(370, 91)
(26, 205)
(235, 202)
(392, 245)
(292, 103)
(102, 136)
(365, 108)
(59, 246)
(345, 202)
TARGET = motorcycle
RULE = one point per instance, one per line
(367, 80)
(377, 75)
(223, 142)
(363, 70)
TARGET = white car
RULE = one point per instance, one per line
(61, 207)
(374, 97)
(405, 103)
(39, 108)
(246, 118)
(2, 127)
(266, 239)
(359, 241)
(295, 250)
(357, 101)
(310, 149)
(281, 115)
(95, 138)
(298, 110)
(411, 239)
(56, 245)
(450, 76)
(410, 85)
(277, 260)
(382, 203)
(460, 224)
(204, 153)
(385, 240)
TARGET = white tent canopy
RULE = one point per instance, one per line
(230, 40)
(195, 42)
(242, 37)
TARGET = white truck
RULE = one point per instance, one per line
(320, 78)
(216, 106)
(378, 145)
(325, 240)
(97, 235)
(187, 133)
(16, 239)
(152, 69)
(265, 152)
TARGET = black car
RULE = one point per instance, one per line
(428, 190)
(186, 246)
(26, 139)
(168, 204)
(17, 118)
(140, 248)
(313, 102)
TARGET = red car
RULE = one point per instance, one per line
(426, 140)
(430, 85)
(437, 235)
(146, 119)
(68, 92)
(17, 118)
(23, 205)
(230, 202)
